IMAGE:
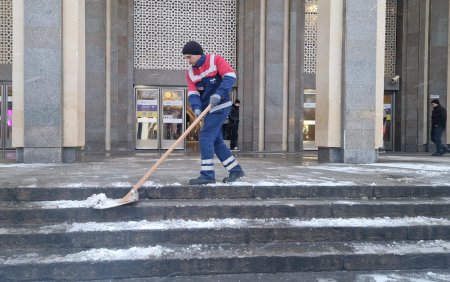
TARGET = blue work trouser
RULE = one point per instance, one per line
(211, 141)
(436, 135)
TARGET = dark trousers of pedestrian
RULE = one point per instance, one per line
(233, 134)
(436, 135)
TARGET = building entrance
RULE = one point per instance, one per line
(388, 121)
(6, 116)
(160, 117)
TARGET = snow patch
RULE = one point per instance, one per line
(134, 253)
(235, 223)
(94, 201)
(285, 183)
(403, 248)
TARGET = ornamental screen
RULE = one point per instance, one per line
(311, 36)
(162, 27)
(5, 31)
(391, 37)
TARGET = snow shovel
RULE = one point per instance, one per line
(133, 196)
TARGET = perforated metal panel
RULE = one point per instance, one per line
(310, 36)
(162, 27)
(391, 37)
(6, 31)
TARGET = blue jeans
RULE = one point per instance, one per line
(211, 142)
(436, 135)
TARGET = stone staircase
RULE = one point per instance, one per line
(239, 233)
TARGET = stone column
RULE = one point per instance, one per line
(363, 21)
(48, 103)
(438, 59)
(411, 127)
(17, 78)
(95, 74)
(296, 76)
(349, 90)
(329, 80)
(74, 74)
(270, 84)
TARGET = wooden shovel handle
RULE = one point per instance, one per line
(167, 153)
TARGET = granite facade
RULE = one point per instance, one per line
(43, 81)
(359, 83)
(438, 59)
(95, 74)
(417, 23)
(249, 88)
(423, 64)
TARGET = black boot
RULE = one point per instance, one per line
(234, 176)
(201, 181)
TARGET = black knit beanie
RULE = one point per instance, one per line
(435, 101)
(192, 48)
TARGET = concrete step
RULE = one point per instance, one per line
(319, 276)
(79, 211)
(212, 259)
(221, 191)
(216, 231)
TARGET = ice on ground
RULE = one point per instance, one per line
(215, 251)
(414, 166)
(293, 182)
(235, 223)
(134, 253)
(410, 277)
(403, 248)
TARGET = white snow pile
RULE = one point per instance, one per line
(97, 201)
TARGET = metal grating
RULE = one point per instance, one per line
(310, 36)
(391, 37)
(6, 32)
(162, 27)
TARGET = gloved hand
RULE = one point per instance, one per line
(197, 113)
(214, 100)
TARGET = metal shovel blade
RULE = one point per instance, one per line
(112, 203)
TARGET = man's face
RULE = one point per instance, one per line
(192, 59)
(434, 105)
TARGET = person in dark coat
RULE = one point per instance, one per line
(438, 125)
(233, 124)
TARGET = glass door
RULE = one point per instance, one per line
(309, 120)
(388, 117)
(6, 116)
(2, 128)
(172, 117)
(147, 109)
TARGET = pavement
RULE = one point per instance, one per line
(262, 169)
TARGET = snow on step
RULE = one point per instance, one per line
(93, 200)
(230, 223)
(231, 251)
